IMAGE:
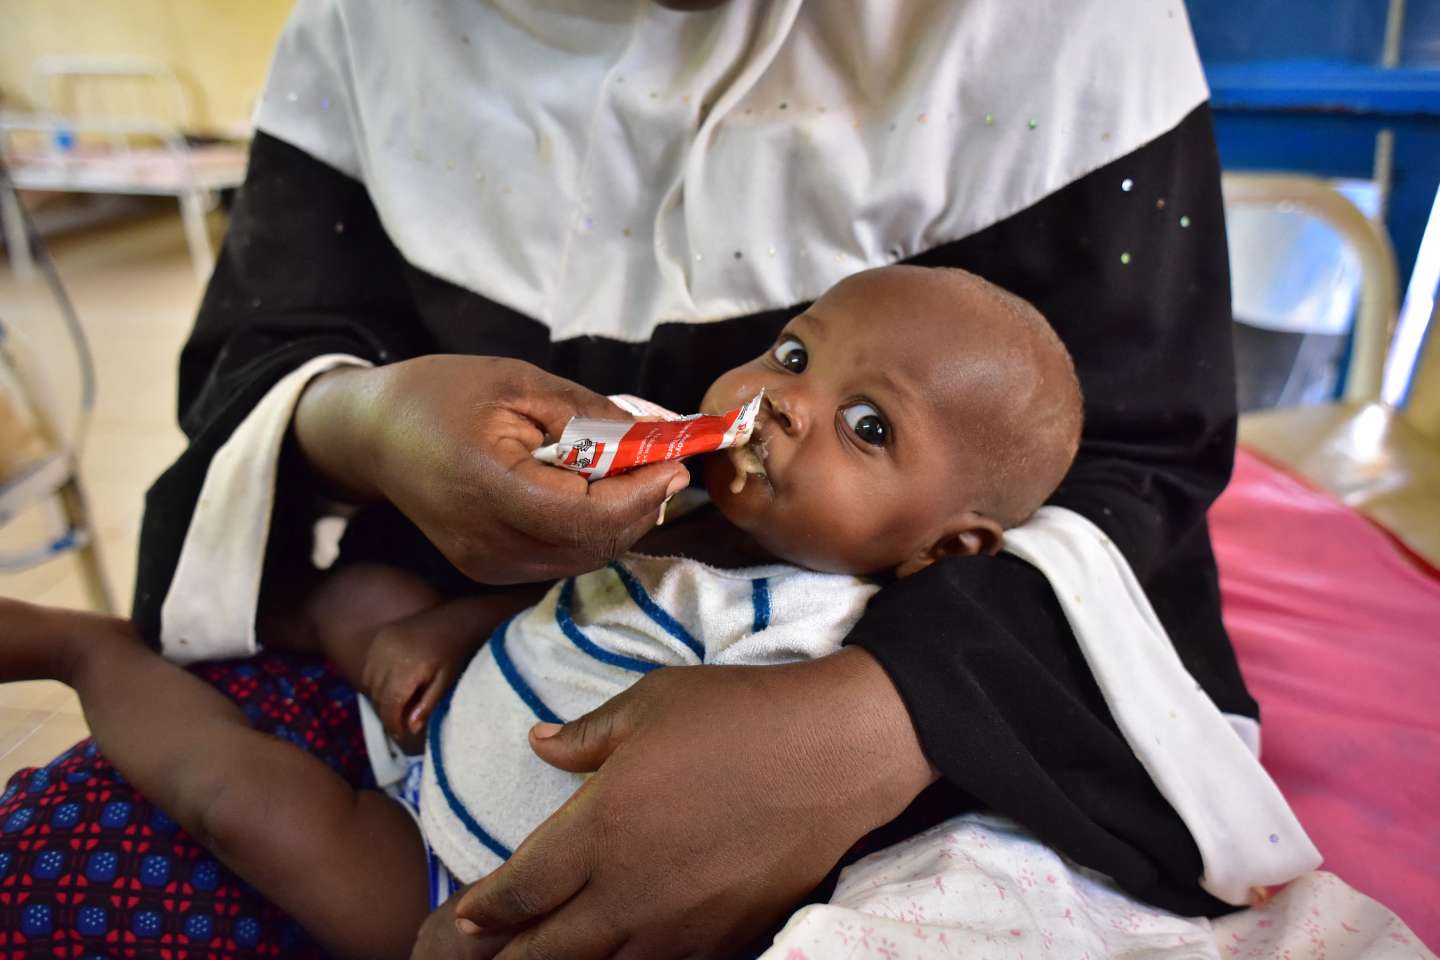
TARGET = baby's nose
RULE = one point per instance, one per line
(786, 411)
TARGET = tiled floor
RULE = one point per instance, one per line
(135, 292)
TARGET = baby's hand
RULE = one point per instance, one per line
(408, 670)
(412, 663)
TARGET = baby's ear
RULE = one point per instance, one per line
(970, 535)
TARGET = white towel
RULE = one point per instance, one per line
(1247, 834)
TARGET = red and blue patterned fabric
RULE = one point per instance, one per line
(89, 868)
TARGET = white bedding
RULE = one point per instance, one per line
(979, 886)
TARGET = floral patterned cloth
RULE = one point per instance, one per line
(89, 868)
(979, 886)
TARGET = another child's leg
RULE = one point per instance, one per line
(348, 865)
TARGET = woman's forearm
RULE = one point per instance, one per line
(333, 427)
(880, 729)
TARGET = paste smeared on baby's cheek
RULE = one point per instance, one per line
(748, 460)
(739, 487)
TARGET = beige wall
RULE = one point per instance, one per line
(219, 48)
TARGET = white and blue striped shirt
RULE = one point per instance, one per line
(592, 636)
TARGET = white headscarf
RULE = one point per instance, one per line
(606, 165)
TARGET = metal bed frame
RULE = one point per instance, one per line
(113, 127)
(54, 477)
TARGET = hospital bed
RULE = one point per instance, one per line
(113, 127)
(1328, 543)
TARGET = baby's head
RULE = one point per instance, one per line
(910, 414)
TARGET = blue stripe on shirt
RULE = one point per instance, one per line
(512, 676)
(443, 781)
(760, 598)
(655, 612)
(577, 637)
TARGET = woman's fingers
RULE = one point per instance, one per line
(580, 525)
(549, 868)
(584, 743)
(440, 939)
(576, 932)
(449, 441)
(551, 402)
(598, 520)
(633, 499)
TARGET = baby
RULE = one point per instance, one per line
(911, 414)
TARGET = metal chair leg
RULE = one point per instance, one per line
(197, 236)
(15, 239)
(92, 571)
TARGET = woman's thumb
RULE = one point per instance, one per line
(628, 501)
(584, 743)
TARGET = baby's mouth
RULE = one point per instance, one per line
(749, 460)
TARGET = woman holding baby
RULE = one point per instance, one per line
(466, 223)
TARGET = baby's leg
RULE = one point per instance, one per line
(348, 865)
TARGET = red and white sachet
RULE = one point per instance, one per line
(602, 448)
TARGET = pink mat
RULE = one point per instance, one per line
(1338, 634)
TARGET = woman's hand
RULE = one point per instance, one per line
(723, 795)
(447, 440)
(440, 939)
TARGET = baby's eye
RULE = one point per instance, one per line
(790, 354)
(867, 423)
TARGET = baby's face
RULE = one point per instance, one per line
(862, 433)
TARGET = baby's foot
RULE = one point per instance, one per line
(46, 643)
